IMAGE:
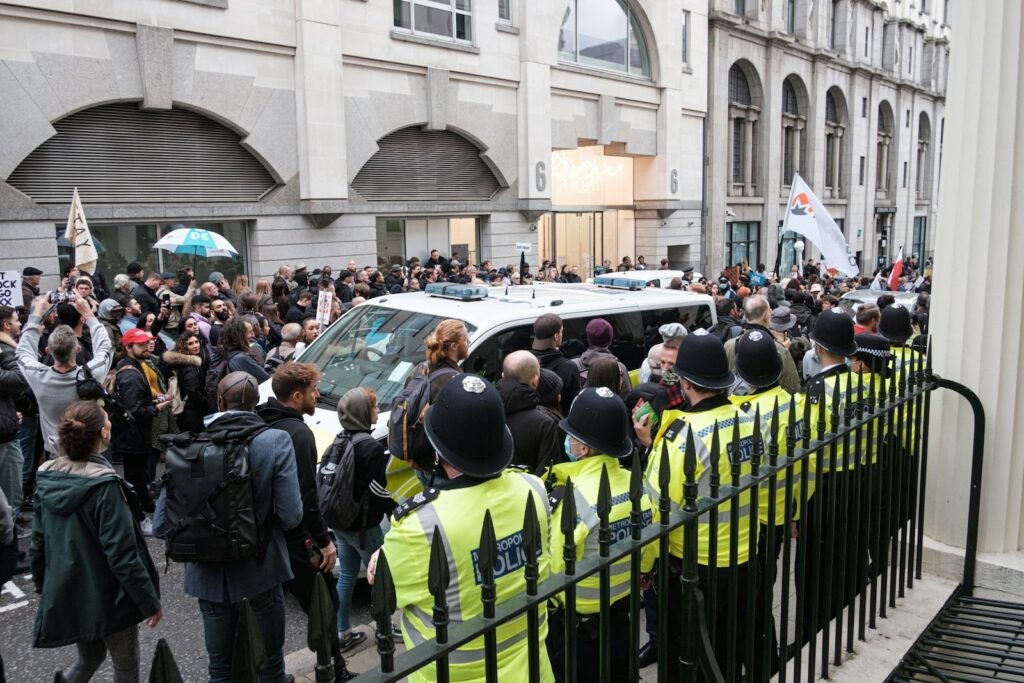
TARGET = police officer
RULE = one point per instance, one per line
(895, 326)
(598, 434)
(705, 379)
(833, 342)
(759, 365)
(466, 426)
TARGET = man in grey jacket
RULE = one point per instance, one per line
(55, 388)
(221, 587)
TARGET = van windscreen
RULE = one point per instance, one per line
(373, 347)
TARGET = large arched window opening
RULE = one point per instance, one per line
(603, 34)
(794, 127)
(922, 182)
(884, 138)
(744, 109)
(835, 128)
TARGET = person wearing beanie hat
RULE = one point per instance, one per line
(760, 367)
(598, 438)
(705, 379)
(534, 433)
(651, 369)
(466, 428)
(599, 338)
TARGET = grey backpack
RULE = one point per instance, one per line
(340, 504)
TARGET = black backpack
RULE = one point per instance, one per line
(407, 436)
(210, 506)
(340, 505)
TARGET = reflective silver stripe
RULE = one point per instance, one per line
(725, 515)
(617, 591)
(465, 656)
(428, 519)
(409, 630)
(538, 487)
(652, 492)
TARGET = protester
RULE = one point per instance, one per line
(220, 314)
(220, 587)
(187, 363)
(90, 564)
(145, 295)
(757, 313)
(131, 313)
(55, 388)
(295, 395)
(599, 338)
(547, 340)
(110, 313)
(300, 308)
(30, 277)
(534, 433)
(122, 288)
(224, 292)
(12, 387)
(235, 346)
(650, 370)
(310, 330)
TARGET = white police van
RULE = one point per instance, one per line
(377, 344)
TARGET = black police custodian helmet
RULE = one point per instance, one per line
(757, 359)
(599, 419)
(833, 331)
(466, 426)
(703, 362)
(894, 324)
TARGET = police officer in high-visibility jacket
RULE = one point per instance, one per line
(599, 433)
(896, 327)
(759, 366)
(705, 379)
(466, 426)
(832, 338)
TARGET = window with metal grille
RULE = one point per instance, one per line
(739, 89)
(118, 154)
(737, 150)
(412, 164)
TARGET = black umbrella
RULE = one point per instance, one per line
(164, 668)
(249, 657)
(322, 628)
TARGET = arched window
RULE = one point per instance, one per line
(835, 127)
(886, 125)
(922, 182)
(603, 34)
(743, 115)
(794, 126)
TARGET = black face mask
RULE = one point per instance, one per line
(223, 315)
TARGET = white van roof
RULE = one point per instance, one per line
(526, 302)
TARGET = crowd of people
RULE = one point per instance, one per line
(98, 387)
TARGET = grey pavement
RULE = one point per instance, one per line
(181, 626)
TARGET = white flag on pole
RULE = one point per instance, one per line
(77, 234)
(807, 216)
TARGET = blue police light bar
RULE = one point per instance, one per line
(620, 283)
(457, 292)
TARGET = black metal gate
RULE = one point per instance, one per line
(971, 639)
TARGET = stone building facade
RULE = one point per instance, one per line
(317, 131)
(848, 93)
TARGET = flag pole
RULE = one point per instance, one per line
(785, 223)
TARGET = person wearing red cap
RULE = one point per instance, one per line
(133, 425)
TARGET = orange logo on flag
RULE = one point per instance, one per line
(801, 205)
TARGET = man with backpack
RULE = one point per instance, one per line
(728, 325)
(250, 488)
(295, 395)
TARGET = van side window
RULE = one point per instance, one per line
(627, 345)
(487, 358)
(691, 317)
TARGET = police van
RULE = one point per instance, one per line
(377, 344)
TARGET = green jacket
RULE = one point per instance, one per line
(89, 557)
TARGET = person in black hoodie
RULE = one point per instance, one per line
(295, 395)
(189, 366)
(534, 433)
(358, 413)
(547, 338)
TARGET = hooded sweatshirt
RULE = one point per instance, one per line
(88, 556)
(534, 432)
(370, 480)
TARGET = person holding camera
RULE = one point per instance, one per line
(56, 387)
(133, 425)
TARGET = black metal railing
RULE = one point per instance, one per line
(850, 472)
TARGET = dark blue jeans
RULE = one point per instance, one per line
(220, 621)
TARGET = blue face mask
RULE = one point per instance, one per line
(568, 452)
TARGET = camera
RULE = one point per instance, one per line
(61, 297)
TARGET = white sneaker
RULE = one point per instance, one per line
(147, 527)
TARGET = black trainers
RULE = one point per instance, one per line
(648, 653)
(341, 673)
(351, 639)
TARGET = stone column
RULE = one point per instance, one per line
(885, 165)
(798, 130)
(978, 339)
(837, 150)
(748, 157)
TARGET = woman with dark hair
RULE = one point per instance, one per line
(186, 362)
(89, 559)
(269, 311)
(279, 293)
(564, 274)
(235, 345)
(605, 372)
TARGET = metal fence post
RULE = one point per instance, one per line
(438, 580)
(486, 561)
(532, 548)
(568, 526)
(383, 603)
